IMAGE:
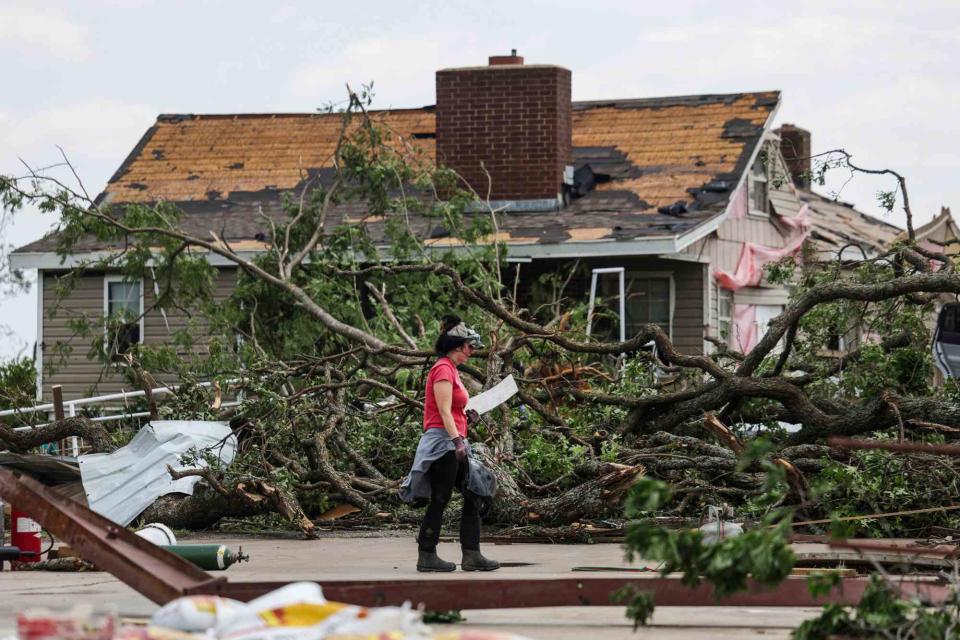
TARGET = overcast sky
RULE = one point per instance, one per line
(878, 78)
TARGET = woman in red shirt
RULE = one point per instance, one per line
(444, 443)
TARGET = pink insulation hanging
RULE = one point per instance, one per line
(753, 259)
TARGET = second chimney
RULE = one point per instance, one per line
(795, 148)
(513, 120)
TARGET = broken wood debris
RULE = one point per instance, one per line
(904, 447)
(877, 516)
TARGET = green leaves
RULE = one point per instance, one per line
(18, 381)
(640, 604)
(822, 583)
(647, 495)
(762, 553)
(880, 481)
(881, 613)
(546, 460)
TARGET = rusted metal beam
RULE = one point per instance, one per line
(905, 447)
(163, 576)
(444, 594)
(868, 546)
(148, 569)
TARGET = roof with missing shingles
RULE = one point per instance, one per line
(650, 153)
(837, 224)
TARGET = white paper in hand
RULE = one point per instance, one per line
(493, 397)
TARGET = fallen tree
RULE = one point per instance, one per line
(336, 344)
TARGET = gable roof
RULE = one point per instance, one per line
(651, 153)
(940, 234)
(838, 226)
(835, 226)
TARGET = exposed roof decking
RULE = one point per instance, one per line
(222, 169)
(836, 225)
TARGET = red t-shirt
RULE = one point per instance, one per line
(444, 369)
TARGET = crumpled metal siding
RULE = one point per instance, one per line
(122, 484)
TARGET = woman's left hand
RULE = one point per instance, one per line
(460, 449)
(472, 417)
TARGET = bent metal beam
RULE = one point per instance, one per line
(161, 576)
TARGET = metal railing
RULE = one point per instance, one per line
(70, 406)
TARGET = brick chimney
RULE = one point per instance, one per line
(795, 148)
(514, 119)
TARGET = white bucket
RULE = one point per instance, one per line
(157, 533)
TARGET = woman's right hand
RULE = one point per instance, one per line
(460, 449)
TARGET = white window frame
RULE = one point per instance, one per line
(38, 344)
(721, 293)
(621, 294)
(107, 280)
(762, 328)
(752, 180)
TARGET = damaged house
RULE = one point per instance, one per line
(675, 193)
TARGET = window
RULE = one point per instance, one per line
(765, 314)
(836, 342)
(648, 301)
(759, 200)
(122, 308)
(724, 314)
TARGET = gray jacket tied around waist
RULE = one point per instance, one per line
(434, 444)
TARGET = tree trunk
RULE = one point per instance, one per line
(590, 499)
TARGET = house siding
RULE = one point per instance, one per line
(81, 376)
(722, 251)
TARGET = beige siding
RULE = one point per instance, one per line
(161, 325)
(720, 254)
(81, 376)
(724, 254)
(758, 230)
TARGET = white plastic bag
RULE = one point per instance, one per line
(195, 613)
(296, 611)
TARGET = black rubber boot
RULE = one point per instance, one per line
(429, 533)
(473, 560)
(430, 562)
(470, 532)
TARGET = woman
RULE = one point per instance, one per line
(442, 455)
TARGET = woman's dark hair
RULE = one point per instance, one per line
(445, 344)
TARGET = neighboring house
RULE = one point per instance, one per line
(674, 190)
(838, 231)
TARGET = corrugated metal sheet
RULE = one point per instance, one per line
(120, 485)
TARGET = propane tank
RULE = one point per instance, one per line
(209, 557)
(25, 535)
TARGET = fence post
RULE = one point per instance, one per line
(58, 413)
(74, 441)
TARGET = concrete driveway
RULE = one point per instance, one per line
(384, 558)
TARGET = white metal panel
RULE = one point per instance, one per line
(121, 484)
